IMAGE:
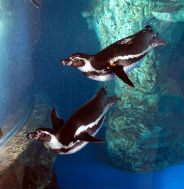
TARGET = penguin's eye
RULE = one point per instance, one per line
(76, 59)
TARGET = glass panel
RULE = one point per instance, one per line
(17, 41)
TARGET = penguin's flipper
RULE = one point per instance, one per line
(119, 72)
(88, 138)
(55, 120)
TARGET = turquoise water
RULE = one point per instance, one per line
(143, 132)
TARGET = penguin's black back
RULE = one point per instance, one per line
(137, 44)
(86, 114)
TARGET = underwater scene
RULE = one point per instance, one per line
(92, 94)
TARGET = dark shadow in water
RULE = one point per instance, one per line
(63, 32)
(81, 171)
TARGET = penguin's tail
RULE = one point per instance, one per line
(102, 93)
(112, 100)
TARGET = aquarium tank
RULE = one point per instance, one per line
(125, 60)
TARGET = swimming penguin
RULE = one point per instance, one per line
(118, 58)
(35, 3)
(79, 129)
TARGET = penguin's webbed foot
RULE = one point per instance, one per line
(158, 42)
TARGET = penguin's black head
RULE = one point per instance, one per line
(76, 60)
(41, 134)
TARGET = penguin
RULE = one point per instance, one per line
(35, 3)
(82, 126)
(118, 58)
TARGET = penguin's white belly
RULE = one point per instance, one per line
(107, 77)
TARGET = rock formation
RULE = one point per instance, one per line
(25, 163)
(145, 131)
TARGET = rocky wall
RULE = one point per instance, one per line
(27, 164)
(144, 132)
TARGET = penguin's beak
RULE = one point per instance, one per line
(66, 62)
(63, 62)
(34, 135)
(30, 136)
